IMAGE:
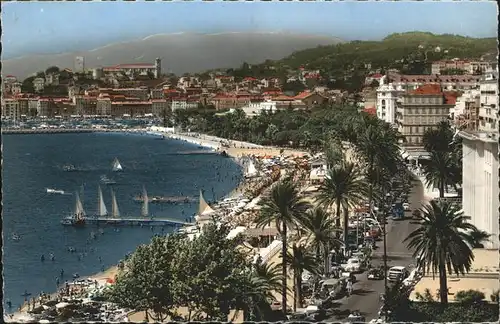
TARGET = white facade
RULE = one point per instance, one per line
(480, 183)
(467, 96)
(183, 104)
(256, 108)
(387, 96)
(488, 110)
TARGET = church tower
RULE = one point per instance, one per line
(157, 68)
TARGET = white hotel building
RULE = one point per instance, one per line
(480, 182)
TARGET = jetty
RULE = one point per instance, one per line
(136, 221)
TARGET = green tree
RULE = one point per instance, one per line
(283, 207)
(440, 171)
(442, 242)
(146, 282)
(320, 228)
(208, 275)
(52, 69)
(301, 259)
(344, 186)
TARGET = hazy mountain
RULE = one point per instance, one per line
(180, 53)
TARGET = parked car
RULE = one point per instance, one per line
(406, 206)
(397, 273)
(375, 274)
(352, 265)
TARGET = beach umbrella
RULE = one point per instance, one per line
(110, 281)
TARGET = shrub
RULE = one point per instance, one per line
(469, 296)
(494, 296)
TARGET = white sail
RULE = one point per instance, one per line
(115, 211)
(103, 211)
(145, 204)
(117, 166)
(79, 206)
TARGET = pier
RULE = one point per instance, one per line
(130, 221)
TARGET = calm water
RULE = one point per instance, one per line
(32, 163)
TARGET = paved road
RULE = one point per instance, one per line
(366, 293)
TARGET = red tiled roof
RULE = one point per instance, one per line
(284, 98)
(427, 89)
(376, 75)
(10, 76)
(250, 79)
(370, 110)
(303, 95)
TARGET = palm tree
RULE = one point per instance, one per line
(377, 144)
(442, 242)
(320, 228)
(265, 279)
(440, 171)
(283, 208)
(344, 186)
(301, 260)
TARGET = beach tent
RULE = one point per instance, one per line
(204, 208)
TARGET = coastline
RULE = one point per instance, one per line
(236, 151)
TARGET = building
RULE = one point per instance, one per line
(311, 99)
(420, 110)
(141, 93)
(159, 107)
(480, 182)
(14, 109)
(183, 104)
(488, 110)
(39, 84)
(387, 96)
(447, 82)
(131, 70)
(85, 105)
(79, 64)
(256, 108)
(465, 114)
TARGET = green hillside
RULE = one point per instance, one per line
(411, 52)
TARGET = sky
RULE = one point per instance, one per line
(55, 27)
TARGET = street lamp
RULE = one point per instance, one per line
(386, 210)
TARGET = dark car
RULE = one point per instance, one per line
(375, 274)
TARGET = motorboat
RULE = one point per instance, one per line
(55, 191)
(15, 237)
(107, 181)
(69, 168)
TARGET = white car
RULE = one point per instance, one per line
(353, 265)
(406, 206)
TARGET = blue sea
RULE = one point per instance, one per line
(32, 163)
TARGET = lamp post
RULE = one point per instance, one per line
(386, 210)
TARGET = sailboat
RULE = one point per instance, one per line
(117, 166)
(103, 211)
(145, 204)
(115, 212)
(78, 218)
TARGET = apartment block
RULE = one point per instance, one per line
(421, 110)
(480, 189)
(488, 110)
